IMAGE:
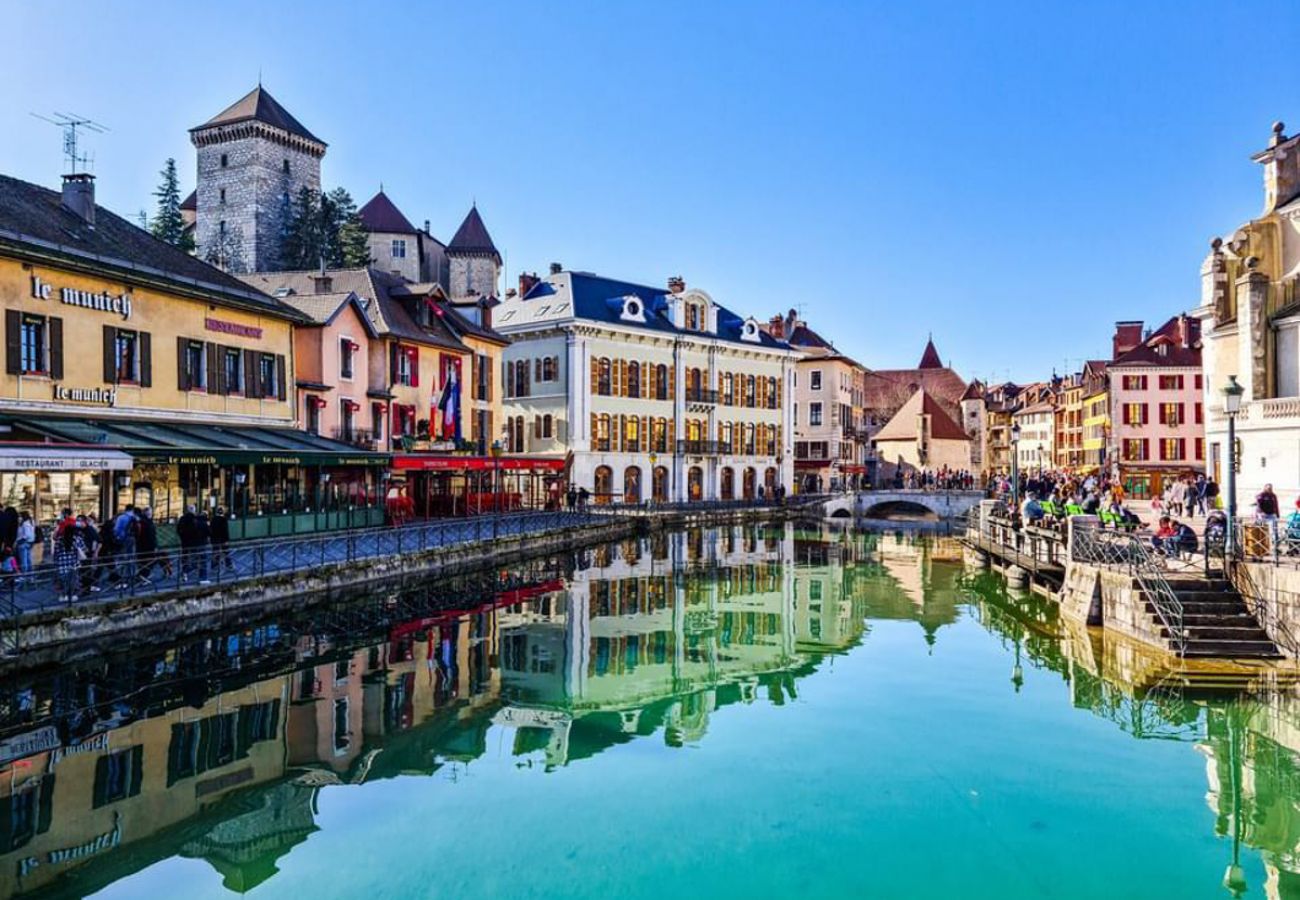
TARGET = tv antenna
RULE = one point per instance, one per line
(70, 123)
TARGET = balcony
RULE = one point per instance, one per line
(703, 448)
(361, 438)
(701, 398)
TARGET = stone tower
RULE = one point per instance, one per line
(253, 159)
(474, 263)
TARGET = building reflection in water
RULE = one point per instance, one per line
(217, 748)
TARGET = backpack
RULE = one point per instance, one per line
(122, 527)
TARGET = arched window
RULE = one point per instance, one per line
(727, 489)
(728, 389)
(728, 433)
(660, 486)
(695, 483)
(634, 379)
(603, 383)
(632, 435)
(632, 485)
(602, 432)
(749, 391)
(510, 379)
(548, 425)
(749, 438)
(603, 484)
(661, 382)
(771, 393)
(769, 478)
(751, 482)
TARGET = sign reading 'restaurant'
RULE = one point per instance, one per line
(248, 331)
(102, 301)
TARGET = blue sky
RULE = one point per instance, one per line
(1010, 177)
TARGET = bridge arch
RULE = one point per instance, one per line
(900, 509)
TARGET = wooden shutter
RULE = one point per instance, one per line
(252, 377)
(13, 341)
(644, 436)
(182, 381)
(594, 434)
(672, 383)
(616, 388)
(55, 325)
(415, 366)
(595, 375)
(146, 359)
(110, 354)
(281, 373)
(537, 427)
(217, 380)
(214, 359)
(652, 378)
(537, 366)
(1144, 413)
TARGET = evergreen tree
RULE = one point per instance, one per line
(168, 225)
(324, 229)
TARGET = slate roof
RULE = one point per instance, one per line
(33, 220)
(387, 314)
(258, 105)
(888, 389)
(323, 309)
(903, 425)
(600, 299)
(191, 202)
(1170, 336)
(472, 236)
(803, 336)
(381, 214)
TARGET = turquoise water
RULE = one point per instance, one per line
(720, 714)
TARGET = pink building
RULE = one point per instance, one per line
(1158, 430)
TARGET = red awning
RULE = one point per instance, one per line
(318, 402)
(352, 405)
(476, 463)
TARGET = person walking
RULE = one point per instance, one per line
(69, 556)
(124, 541)
(187, 533)
(90, 550)
(8, 527)
(23, 542)
(202, 537)
(220, 528)
(146, 548)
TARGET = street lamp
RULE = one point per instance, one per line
(1232, 393)
(1015, 467)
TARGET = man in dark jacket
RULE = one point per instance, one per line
(187, 533)
(221, 540)
(202, 535)
(8, 527)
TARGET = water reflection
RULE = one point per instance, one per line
(217, 748)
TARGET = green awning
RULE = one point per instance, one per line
(183, 443)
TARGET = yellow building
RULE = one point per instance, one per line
(134, 373)
(1096, 419)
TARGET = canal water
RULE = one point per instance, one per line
(747, 712)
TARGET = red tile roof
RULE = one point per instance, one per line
(903, 426)
(381, 214)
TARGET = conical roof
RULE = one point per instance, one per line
(258, 105)
(472, 236)
(381, 214)
(930, 358)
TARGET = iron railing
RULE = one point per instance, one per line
(172, 569)
(1127, 551)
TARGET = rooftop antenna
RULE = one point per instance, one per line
(69, 123)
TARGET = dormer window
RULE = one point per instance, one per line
(633, 310)
(749, 331)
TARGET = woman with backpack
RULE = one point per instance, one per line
(69, 554)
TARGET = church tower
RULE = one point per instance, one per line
(253, 159)
(474, 263)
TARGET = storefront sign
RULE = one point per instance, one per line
(106, 841)
(100, 396)
(102, 301)
(234, 328)
(55, 459)
(21, 745)
(476, 463)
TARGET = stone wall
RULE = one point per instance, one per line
(1112, 600)
(472, 275)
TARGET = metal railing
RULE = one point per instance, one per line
(1127, 551)
(172, 569)
(1263, 604)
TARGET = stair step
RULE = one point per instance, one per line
(1232, 649)
(1199, 596)
(1192, 620)
(1250, 632)
(1209, 608)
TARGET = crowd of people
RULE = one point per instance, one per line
(88, 556)
(944, 479)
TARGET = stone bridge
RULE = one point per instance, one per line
(898, 504)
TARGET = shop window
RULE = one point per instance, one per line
(234, 371)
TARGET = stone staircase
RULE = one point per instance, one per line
(1219, 625)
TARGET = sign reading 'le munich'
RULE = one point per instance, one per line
(102, 301)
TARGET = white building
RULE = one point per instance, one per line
(650, 393)
(1036, 450)
(1250, 329)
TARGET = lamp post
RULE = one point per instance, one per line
(1015, 467)
(1232, 393)
(496, 486)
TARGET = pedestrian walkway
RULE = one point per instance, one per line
(169, 571)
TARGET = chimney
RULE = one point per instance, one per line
(324, 283)
(1127, 336)
(426, 226)
(79, 196)
(776, 327)
(676, 284)
(527, 281)
(556, 268)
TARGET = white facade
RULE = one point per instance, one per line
(1036, 449)
(645, 406)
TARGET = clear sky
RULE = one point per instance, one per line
(1010, 177)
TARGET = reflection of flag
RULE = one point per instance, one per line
(449, 402)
